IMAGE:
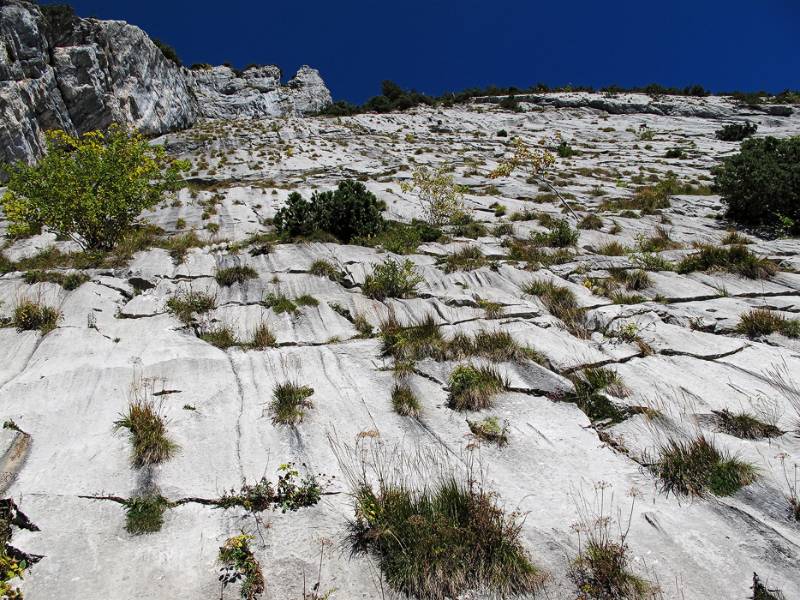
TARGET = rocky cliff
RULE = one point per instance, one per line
(60, 71)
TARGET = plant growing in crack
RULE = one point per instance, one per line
(146, 426)
(240, 565)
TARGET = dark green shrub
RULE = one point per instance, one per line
(168, 51)
(69, 281)
(560, 235)
(348, 212)
(564, 150)
(761, 184)
(145, 514)
(736, 132)
(392, 279)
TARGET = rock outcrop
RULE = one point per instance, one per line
(60, 71)
(224, 93)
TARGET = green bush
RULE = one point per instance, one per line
(392, 279)
(761, 184)
(168, 51)
(350, 211)
(736, 132)
(89, 188)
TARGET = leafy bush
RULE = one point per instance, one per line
(440, 197)
(392, 279)
(761, 184)
(90, 188)
(348, 212)
(736, 132)
(291, 493)
(240, 565)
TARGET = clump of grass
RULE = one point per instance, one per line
(404, 402)
(240, 565)
(492, 310)
(535, 256)
(466, 259)
(602, 569)
(762, 321)
(695, 467)
(650, 261)
(289, 402)
(262, 337)
(30, 315)
(279, 303)
(632, 279)
(495, 345)
(591, 221)
(561, 302)
(392, 279)
(734, 259)
(69, 281)
(421, 339)
(178, 246)
(559, 235)
(442, 541)
(658, 242)
(220, 335)
(362, 325)
(473, 388)
(744, 425)
(613, 248)
(236, 274)
(147, 430)
(306, 300)
(186, 304)
(734, 237)
(325, 268)
(490, 429)
(145, 514)
(591, 386)
(762, 592)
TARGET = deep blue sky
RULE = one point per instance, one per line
(441, 45)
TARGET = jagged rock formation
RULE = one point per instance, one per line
(60, 71)
(224, 93)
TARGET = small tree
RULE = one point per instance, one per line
(441, 198)
(90, 188)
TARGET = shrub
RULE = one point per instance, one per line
(168, 51)
(490, 429)
(147, 431)
(442, 541)
(290, 493)
(440, 197)
(734, 259)
(279, 303)
(240, 565)
(236, 274)
(392, 279)
(348, 212)
(30, 315)
(404, 401)
(760, 183)
(736, 132)
(145, 514)
(472, 388)
(560, 235)
(403, 238)
(186, 304)
(89, 188)
(421, 339)
(694, 467)
(289, 401)
(564, 150)
(762, 321)
(675, 153)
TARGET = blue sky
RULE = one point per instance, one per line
(443, 45)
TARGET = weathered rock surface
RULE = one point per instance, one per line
(84, 74)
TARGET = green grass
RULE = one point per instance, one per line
(279, 303)
(660, 241)
(561, 302)
(186, 304)
(602, 571)
(591, 221)
(325, 268)
(442, 541)
(762, 321)
(613, 248)
(695, 467)
(490, 429)
(734, 259)
(262, 337)
(559, 235)
(744, 425)
(147, 431)
(69, 281)
(473, 388)
(145, 514)
(535, 256)
(591, 386)
(466, 259)
(290, 402)
(220, 335)
(404, 402)
(306, 300)
(236, 274)
(31, 315)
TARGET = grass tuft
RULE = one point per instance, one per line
(561, 302)
(744, 425)
(69, 281)
(473, 388)
(736, 259)
(30, 315)
(186, 304)
(466, 259)
(147, 430)
(236, 274)
(404, 402)
(591, 386)
(289, 402)
(490, 429)
(762, 321)
(145, 514)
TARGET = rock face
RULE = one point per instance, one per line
(224, 93)
(60, 71)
